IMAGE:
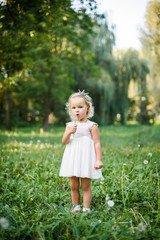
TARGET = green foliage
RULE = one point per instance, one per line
(50, 49)
(150, 38)
(36, 202)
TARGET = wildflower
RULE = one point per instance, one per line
(150, 154)
(110, 203)
(143, 98)
(145, 162)
(4, 223)
(107, 197)
(38, 141)
(99, 221)
(138, 145)
(124, 164)
(102, 180)
(31, 142)
(141, 227)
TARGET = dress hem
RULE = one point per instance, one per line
(81, 176)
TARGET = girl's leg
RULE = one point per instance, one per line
(87, 192)
(75, 194)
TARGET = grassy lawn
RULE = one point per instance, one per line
(35, 202)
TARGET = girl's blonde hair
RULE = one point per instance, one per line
(88, 101)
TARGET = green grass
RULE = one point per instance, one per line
(36, 202)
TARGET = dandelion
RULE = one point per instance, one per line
(110, 203)
(4, 223)
(145, 162)
(102, 180)
(141, 227)
(107, 197)
(150, 154)
(143, 98)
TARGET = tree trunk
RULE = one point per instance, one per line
(47, 110)
(8, 104)
(103, 108)
(1, 106)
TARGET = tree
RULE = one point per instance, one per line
(150, 38)
(39, 46)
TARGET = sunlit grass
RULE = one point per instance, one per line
(36, 202)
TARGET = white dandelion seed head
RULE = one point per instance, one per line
(107, 197)
(145, 162)
(4, 223)
(141, 227)
(150, 154)
(110, 203)
(143, 98)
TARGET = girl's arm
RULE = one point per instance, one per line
(67, 134)
(97, 145)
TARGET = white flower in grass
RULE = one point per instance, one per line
(102, 180)
(141, 227)
(150, 154)
(124, 164)
(4, 223)
(138, 145)
(38, 141)
(99, 221)
(110, 203)
(145, 162)
(107, 197)
(143, 98)
(31, 142)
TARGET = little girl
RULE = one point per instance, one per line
(82, 156)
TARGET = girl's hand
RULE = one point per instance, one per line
(98, 164)
(73, 129)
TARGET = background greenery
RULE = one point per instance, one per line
(36, 202)
(50, 49)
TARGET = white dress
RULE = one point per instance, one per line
(79, 156)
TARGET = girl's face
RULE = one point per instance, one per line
(79, 108)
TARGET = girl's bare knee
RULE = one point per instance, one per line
(74, 184)
(86, 185)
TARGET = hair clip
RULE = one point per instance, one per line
(82, 93)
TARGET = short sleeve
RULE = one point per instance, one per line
(92, 123)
